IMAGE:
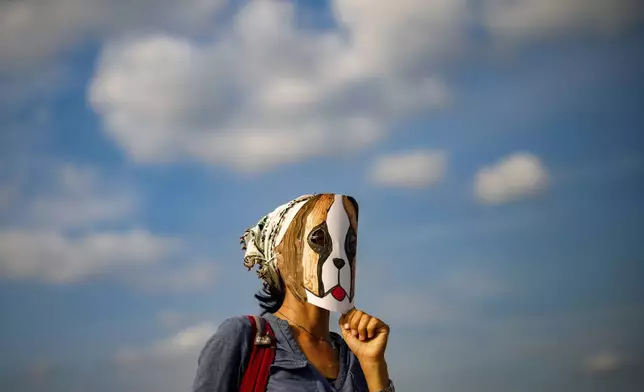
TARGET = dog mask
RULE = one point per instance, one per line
(316, 256)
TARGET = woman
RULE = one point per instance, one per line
(306, 253)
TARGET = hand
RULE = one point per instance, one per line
(365, 335)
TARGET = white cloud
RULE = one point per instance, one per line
(273, 94)
(412, 169)
(526, 20)
(53, 257)
(64, 197)
(53, 232)
(189, 339)
(604, 362)
(186, 343)
(33, 30)
(75, 224)
(78, 197)
(254, 91)
(194, 276)
(427, 27)
(513, 177)
(37, 38)
(168, 364)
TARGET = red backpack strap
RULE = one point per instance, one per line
(257, 372)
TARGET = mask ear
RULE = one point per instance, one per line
(354, 203)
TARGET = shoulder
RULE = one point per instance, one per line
(221, 362)
(235, 326)
(233, 334)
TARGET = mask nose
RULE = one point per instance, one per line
(339, 263)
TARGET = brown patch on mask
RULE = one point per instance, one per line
(288, 252)
(351, 207)
(311, 257)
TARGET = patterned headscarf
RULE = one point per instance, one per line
(259, 242)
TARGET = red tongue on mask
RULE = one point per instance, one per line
(338, 293)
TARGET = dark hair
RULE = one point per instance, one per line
(271, 298)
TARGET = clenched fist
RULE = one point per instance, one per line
(365, 335)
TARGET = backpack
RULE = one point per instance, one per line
(255, 378)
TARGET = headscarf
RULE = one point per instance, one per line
(259, 241)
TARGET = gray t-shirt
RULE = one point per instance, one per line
(223, 361)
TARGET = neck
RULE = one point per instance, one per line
(314, 319)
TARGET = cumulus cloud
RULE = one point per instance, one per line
(411, 169)
(253, 90)
(32, 31)
(71, 223)
(513, 177)
(262, 92)
(77, 197)
(184, 277)
(63, 197)
(171, 360)
(54, 257)
(186, 343)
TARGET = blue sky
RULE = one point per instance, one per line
(494, 147)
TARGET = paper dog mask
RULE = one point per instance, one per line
(316, 256)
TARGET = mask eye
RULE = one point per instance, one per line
(318, 238)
